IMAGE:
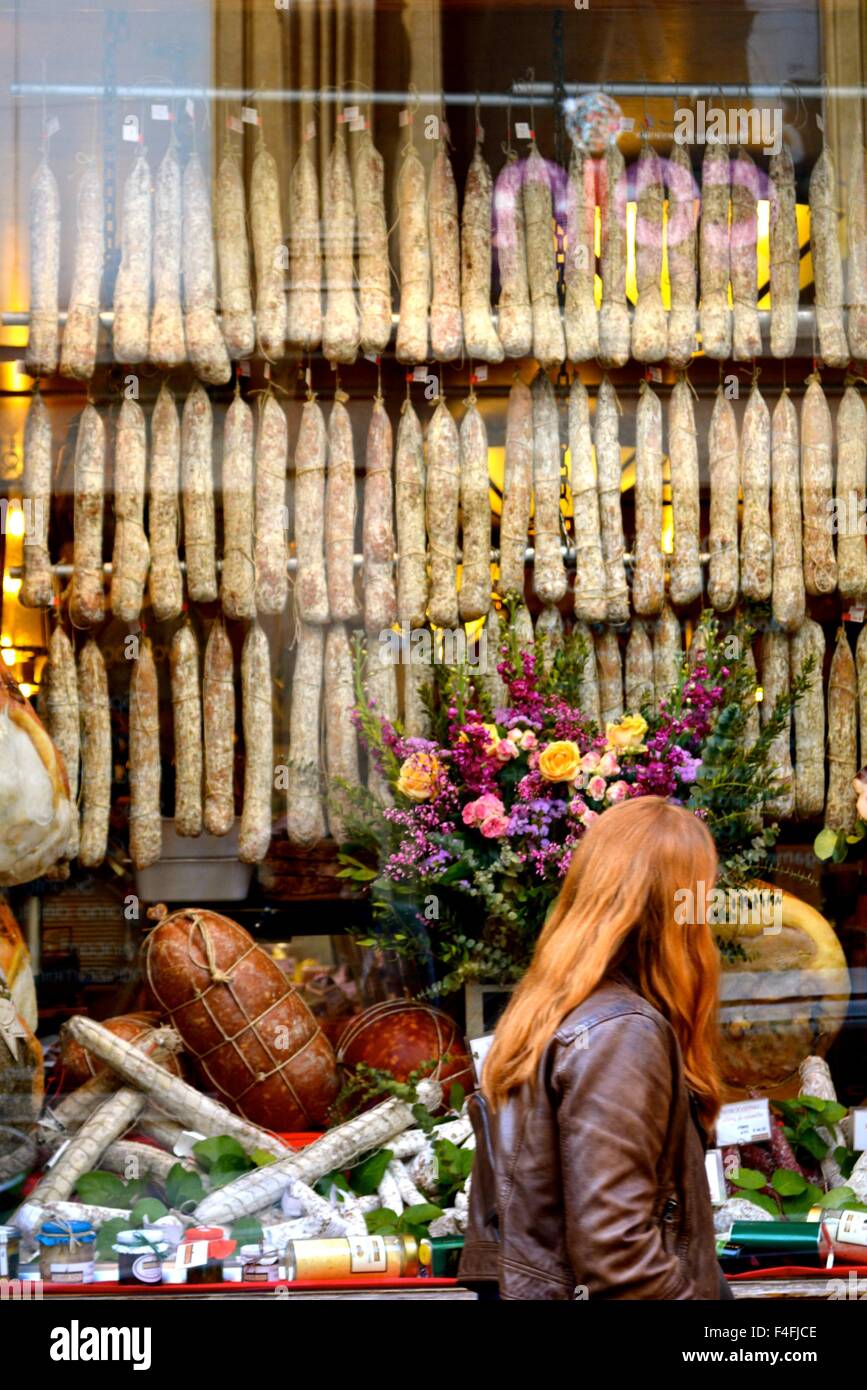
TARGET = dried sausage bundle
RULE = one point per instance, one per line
(649, 326)
(145, 826)
(475, 592)
(756, 547)
(268, 252)
(788, 605)
(414, 258)
(608, 469)
(233, 257)
(579, 270)
(610, 677)
(683, 454)
(775, 684)
(785, 254)
(165, 582)
(809, 715)
(648, 571)
(613, 315)
(409, 495)
(480, 335)
(197, 483)
(311, 588)
(304, 314)
(340, 509)
(680, 238)
(238, 580)
(167, 346)
(446, 331)
(549, 344)
(218, 700)
(341, 326)
(62, 717)
(132, 287)
(87, 594)
(639, 675)
(187, 725)
(271, 548)
(441, 511)
(549, 635)
(341, 740)
(95, 756)
(840, 812)
(549, 571)
(374, 283)
(827, 262)
(856, 238)
(746, 334)
(817, 481)
(205, 345)
(44, 271)
(81, 334)
(724, 469)
(254, 835)
(850, 495)
(36, 583)
(131, 555)
(515, 316)
(380, 597)
(714, 253)
(517, 489)
(667, 653)
(590, 596)
(588, 681)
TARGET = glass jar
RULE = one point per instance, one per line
(202, 1252)
(9, 1250)
(66, 1252)
(139, 1257)
(260, 1263)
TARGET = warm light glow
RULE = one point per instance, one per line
(26, 689)
(11, 586)
(9, 655)
(15, 521)
(667, 529)
(5, 640)
(760, 694)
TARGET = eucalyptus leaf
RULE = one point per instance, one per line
(382, 1222)
(837, 1197)
(802, 1202)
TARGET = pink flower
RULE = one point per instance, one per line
(590, 761)
(596, 788)
(533, 760)
(505, 750)
(528, 740)
(494, 827)
(618, 791)
(577, 806)
(481, 809)
(588, 818)
(578, 782)
(608, 765)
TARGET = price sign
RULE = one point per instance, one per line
(744, 1122)
(479, 1049)
(249, 115)
(859, 1129)
(523, 131)
(716, 1179)
(160, 113)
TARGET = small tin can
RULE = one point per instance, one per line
(346, 1256)
(9, 1251)
(139, 1257)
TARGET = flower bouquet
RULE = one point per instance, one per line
(487, 812)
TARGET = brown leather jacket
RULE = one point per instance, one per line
(597, 1187)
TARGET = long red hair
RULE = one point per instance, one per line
(618, 909)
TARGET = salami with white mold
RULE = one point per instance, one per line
(267, 228)
(788, 600)
(414, 259)
(724, 469)
(517, 489)
(856, 238)
(304, 311)
(638, 669)
(756, 545)
(827, 262)
(81, 333)
(648, 573)
(341, 327)
(311, 588)
(42, 341)
(340, 507)
(380, 597)
(613, 314)
(746, 334)
(715, 254)
(682, 270)
(515, 316)
(775, 684)
(36, 582)
(549, 570)
(271, 549)
(187, 726)
(238, 580)
(145, 826)
(233, 258)
(667, 653)
(218, 699)
(840, 806)
(305, 811)
(197, 484)
(609, 671)
(588, 680)
(579, 271)
(851, 489)
(205, 346)
(441, 510)
(649, 325)
(131, 556)
(341, 739)
(409, 495)
(549, 343)
(254, 835)
(475, 591)
(132, 289)
(608, 471)
(87, 595)
(683, 455)
(809, 716)
(446, 331)
(60, 682)
(785, 254)
(589, 596)
(480, 336)
(167, 345)
(374, 278)
(165, 581)
(817, 482)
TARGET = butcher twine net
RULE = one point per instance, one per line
(224, 977)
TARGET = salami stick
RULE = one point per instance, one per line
(549, 344)
(609, 674)
(414, 259)
(683, 453)
(840, 813)
(714, 253)
(167, 346)
(233, 258)
(613, 315)
(746, 334)
(775, 683)
(524, 631)
(197, 483)
(549, 571)
(255, 833)
(784, 254)
(608, 471)
(667, 654)
(165, 582)
(132, 287)
(856, 237)
(681, 256)
(752, 725)
(639, 669)
(850, 494)
(87, 595)
(305, 815)
(861, 681)
(517, 489)
(145, 827)
(649, 327)
(341, 327)
(475, 591)
(381, 692)
(311, 588)
(515, 324)
(36, 582)
(374, 284)
(341, 740)
(441, 510)
(817, 482)
(81, 334)
(187, 725)
(131, 556)
(218, 699)
(238, 580)
(648, 573)
(446, 332)
(304, 313)
(590, 596)
(724, 469)
(809, 715)
(409, 491)
(340, 509)
(480, 335)
(756, 558)
(788, 604)
(380, 598)
(416, 695)
(588, 683)
(488, 679)
(549, 635)
(267, 229)
(42, 340)
(827, 262)
(581, 316)
(205, 345)
(62, 717)
(271, 550)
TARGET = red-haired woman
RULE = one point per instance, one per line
(602, 1081)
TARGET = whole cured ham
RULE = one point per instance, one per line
(36, 812)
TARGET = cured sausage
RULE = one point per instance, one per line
(268, 250)
(667, 654)
(145, 826)
(414, 256)
(724, 469)
(62, 717)
(827, 262)
(81, 334)
(785, 254)
(756, 546)
(218, 699)
(775, 684)
(840, 809)
(238, 580)
(683, 454)
(197, 483)
(649, 326)
(480, 336)
(340, 509)
(42, 340)
(380, 597)
(131, 555)
(648, 572)
(856, 238)
(610, 677)
(788, 606)
(205, 345)
(271, 549)
(446, 331)
(608, 470)
(441, 511)
(165, 582)
(305, 812)
(187, 725)
(311, 588)
(475, 592)
(549, 571)
(590, 597)
(304, 312)
(850, 495)
(588, 680)
(254, 836)
(579, 270)
(409, 492)
(613, 315)
(680, 238)
(517, 489)
(132, 287)
(341, 740)
(36, 582)
(515, 317)
(639, 669)
(714, 253)
(380, 688)
(233, 258)
(746, 334)
(549, 636)
(374, 283)
(341, 327)
(817, 481)
(167, 346)
(809, 715)
(861, 674)
(87, 595)
(549, 343)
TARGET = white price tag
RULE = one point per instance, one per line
(183, 1146)
(130, 129)
(249, 115)
(234, 124)
(51, 127)
(419, 373)
(654, 373)
(358, 124)
(627, 122)
(716, 1178)
(481, 373)
(479, 1049)
(855, 615)
(350, 113)
(523, 131)
(859, 1128)
(160, 113)
(190, 107)
(744, 1122)
(371, 357)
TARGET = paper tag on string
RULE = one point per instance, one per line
(249, 115)
(190, 108)
(419, 373)
(479, 1048)
(859, 1128)
(654, 374)
(243, 368)
(372, 357)
(627, 123)
(481, 373)
(523, 131)
(716, 1179)
(130, 128)
(185, 1142)
(359, 124)
(234, 124)
(267, 371)
(51, 127)
(160, 113)
(854, 615)
(820, 123)
(350, 113)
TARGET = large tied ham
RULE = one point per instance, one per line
(251, 1036)
(35, 809)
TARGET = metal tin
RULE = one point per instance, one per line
(348, 1256)
(10, 1244)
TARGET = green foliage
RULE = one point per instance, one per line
(101, 1189)
(454, 1166)
(802, 1120)
(414, 1221)
(247, 1230)
(184, 1188)
(834, 845)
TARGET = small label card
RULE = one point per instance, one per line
(479, 1049)
(523, 131)
(716, 1179)
(744, 1122)
(859, 1128)
(249, 115)
(130, 129)
(234, 124)
(160, 113)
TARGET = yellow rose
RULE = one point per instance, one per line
(492, 740)
(419, 774)
(627, 734)
(560, 761)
